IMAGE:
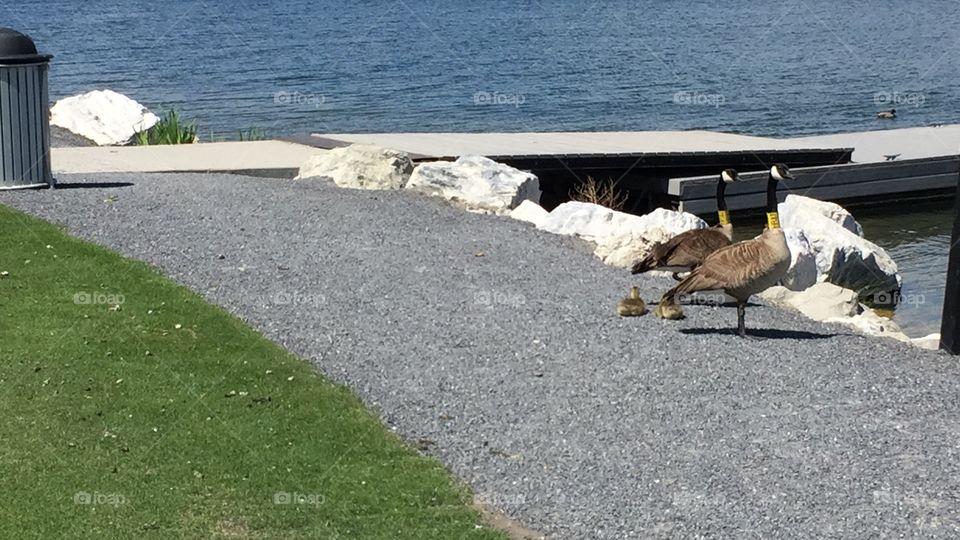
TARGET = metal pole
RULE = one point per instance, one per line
(950, 324)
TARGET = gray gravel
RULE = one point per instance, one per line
(500, 344)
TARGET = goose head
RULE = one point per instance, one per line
(780, 172)
(729, 176)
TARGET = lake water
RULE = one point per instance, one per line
(295, 66)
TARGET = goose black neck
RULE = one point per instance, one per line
(772, 194)
(721, 201)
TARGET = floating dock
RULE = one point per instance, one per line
(678, 169)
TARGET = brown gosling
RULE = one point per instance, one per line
(632, 305)
(745, 268)
(687, 250)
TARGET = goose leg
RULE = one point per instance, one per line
(741, 323)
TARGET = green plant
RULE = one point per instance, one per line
(604, 193)
(253, 134)
(169, 130)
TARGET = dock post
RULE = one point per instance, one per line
(950, 323)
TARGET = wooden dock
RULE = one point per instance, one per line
(678, 168)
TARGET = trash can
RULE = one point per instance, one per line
(24, 113)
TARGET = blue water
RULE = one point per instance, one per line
(762, 68)
(765, 68)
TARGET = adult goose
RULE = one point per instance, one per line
(742, 269)
(687, 250)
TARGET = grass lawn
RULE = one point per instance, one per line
(132, 408)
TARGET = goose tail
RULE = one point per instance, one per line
(644, 265)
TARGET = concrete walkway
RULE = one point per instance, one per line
(495, 348)
(263, 158)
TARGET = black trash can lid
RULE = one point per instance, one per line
(17, 48)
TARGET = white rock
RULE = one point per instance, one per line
(930, 342)
(778, 295)
(622, 251)
(599, 223)
(833, 211)
(360, 166)
(871, 324)
(103, 116)
(843, 257)
(820, 302)
(802, 273)
(530, 212)
(476, 183)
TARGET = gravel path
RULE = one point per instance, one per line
(497, 347)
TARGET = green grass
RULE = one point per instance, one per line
(118, 423)
(253, 134)
(169, 130)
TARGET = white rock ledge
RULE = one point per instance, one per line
(621, 238)
(829, 303)
(599, 223)
(360, 166)
(476, 183)
(530, 212)
(103, 116)
(843, 257)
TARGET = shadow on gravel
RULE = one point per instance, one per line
(92, 185)
(765, 333)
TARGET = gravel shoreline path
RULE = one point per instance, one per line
(495, 348)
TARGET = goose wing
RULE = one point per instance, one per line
(692, 247)
(731, 267)
(688, 248)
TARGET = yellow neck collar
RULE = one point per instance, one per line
(724, 217)
(773, 220)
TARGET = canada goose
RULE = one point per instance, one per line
(891, 157)
(632, 305)
(742, 269)
(887, 115)
(687, 250)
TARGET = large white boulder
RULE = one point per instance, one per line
(833, 211)
(802, 273)
(476, 183)
(530, 212)
(930, 342)
(871, 324)
(843, 257)
(103, 116)
(625, 250)
(599, 223)
(360, 166)
(820, 302)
